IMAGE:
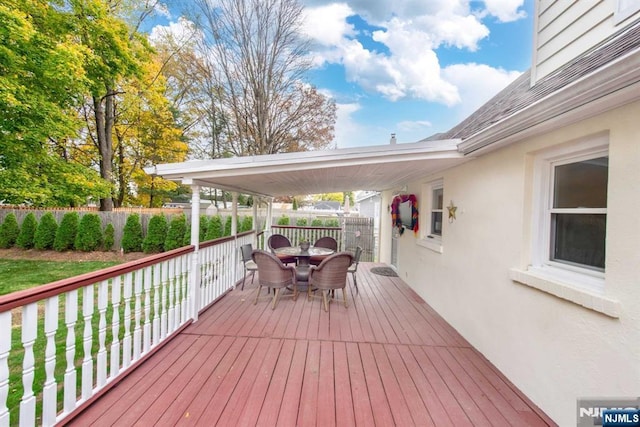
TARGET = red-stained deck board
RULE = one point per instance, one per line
(386, 359)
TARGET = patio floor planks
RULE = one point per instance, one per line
(386, 359)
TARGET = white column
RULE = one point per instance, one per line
(194, 282)
(254, 226)
(234, 213)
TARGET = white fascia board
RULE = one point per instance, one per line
(307, 160)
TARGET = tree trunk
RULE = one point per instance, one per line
(104, 127)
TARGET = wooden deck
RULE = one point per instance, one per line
(388, 359)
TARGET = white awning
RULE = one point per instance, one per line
(378, 168)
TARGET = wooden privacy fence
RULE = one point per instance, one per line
(353, 233)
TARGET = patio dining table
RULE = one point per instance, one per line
(303, 256)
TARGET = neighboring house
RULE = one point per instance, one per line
(327, 206)
(368, 204)
(539, 268)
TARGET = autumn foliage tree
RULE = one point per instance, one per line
(259, 61)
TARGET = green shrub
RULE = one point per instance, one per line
(283, 220)
(89, 237)
(204, 227)
(45, 232)
(109, 237)
(175, 235)
(9, 231)
(332, 223)
(301, 222)
(66, 234)
(247, 224)
(227, 225)
(27, 231)
(317, 222)
(215, 228)
(156, 235)
(132, 234)
(186, 241)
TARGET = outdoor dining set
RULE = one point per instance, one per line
(317, 267)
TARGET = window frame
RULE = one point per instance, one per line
(585, 277)
(624, 9)
(428, 239)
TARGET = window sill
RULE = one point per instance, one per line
(433, 244)
(557, 286)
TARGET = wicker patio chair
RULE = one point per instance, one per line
(276, 241)
(323, 242)
(353, 268)
(247, 263)
(272, 273)
(331, 274)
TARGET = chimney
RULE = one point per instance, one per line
(393, 139)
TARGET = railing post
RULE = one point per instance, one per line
(194, 282)
(5, 348)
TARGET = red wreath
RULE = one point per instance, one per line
(395, 212)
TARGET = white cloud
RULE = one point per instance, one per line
(179, 32)
(327, 25)
(505, 10)
(404, 63)
(412, 126)
(477, 83)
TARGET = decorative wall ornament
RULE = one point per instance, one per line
(399, 219)
(452, 211)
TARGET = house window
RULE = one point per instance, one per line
(433, 196)
(569, 230)
(436, 210)
(578, 212)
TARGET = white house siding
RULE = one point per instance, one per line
(564, 29)
(555, 351)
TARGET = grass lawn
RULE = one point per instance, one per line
(16, 275)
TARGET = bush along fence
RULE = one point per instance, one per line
(130, 232)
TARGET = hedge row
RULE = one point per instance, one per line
(87, 235)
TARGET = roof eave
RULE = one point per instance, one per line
(610, 87)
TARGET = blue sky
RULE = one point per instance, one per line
(413, 67)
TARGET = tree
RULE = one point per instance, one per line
(132, 234)
(27, 231)
(177, 230)
(45, 232)
(9, 231)
(42, 82)
(156, 235)
(260, 59)
(89, 236)
(66, 234)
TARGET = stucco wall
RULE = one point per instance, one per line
(555, 351)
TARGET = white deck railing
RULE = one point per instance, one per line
(65, 342)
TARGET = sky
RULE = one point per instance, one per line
(412, 67)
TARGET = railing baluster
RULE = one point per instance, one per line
(137, 331)
(103, 300)
(49, 391)
(87, 341)
(126, 340)
(5, 348)
(29, 334)
(172, 302)
(146, 334)
(156, 304)
(163, 313)
(115, 327)
(70, 319)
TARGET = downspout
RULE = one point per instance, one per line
(194, 282)
(254, 223)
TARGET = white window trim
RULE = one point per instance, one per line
(428, 240)
(582, 286)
